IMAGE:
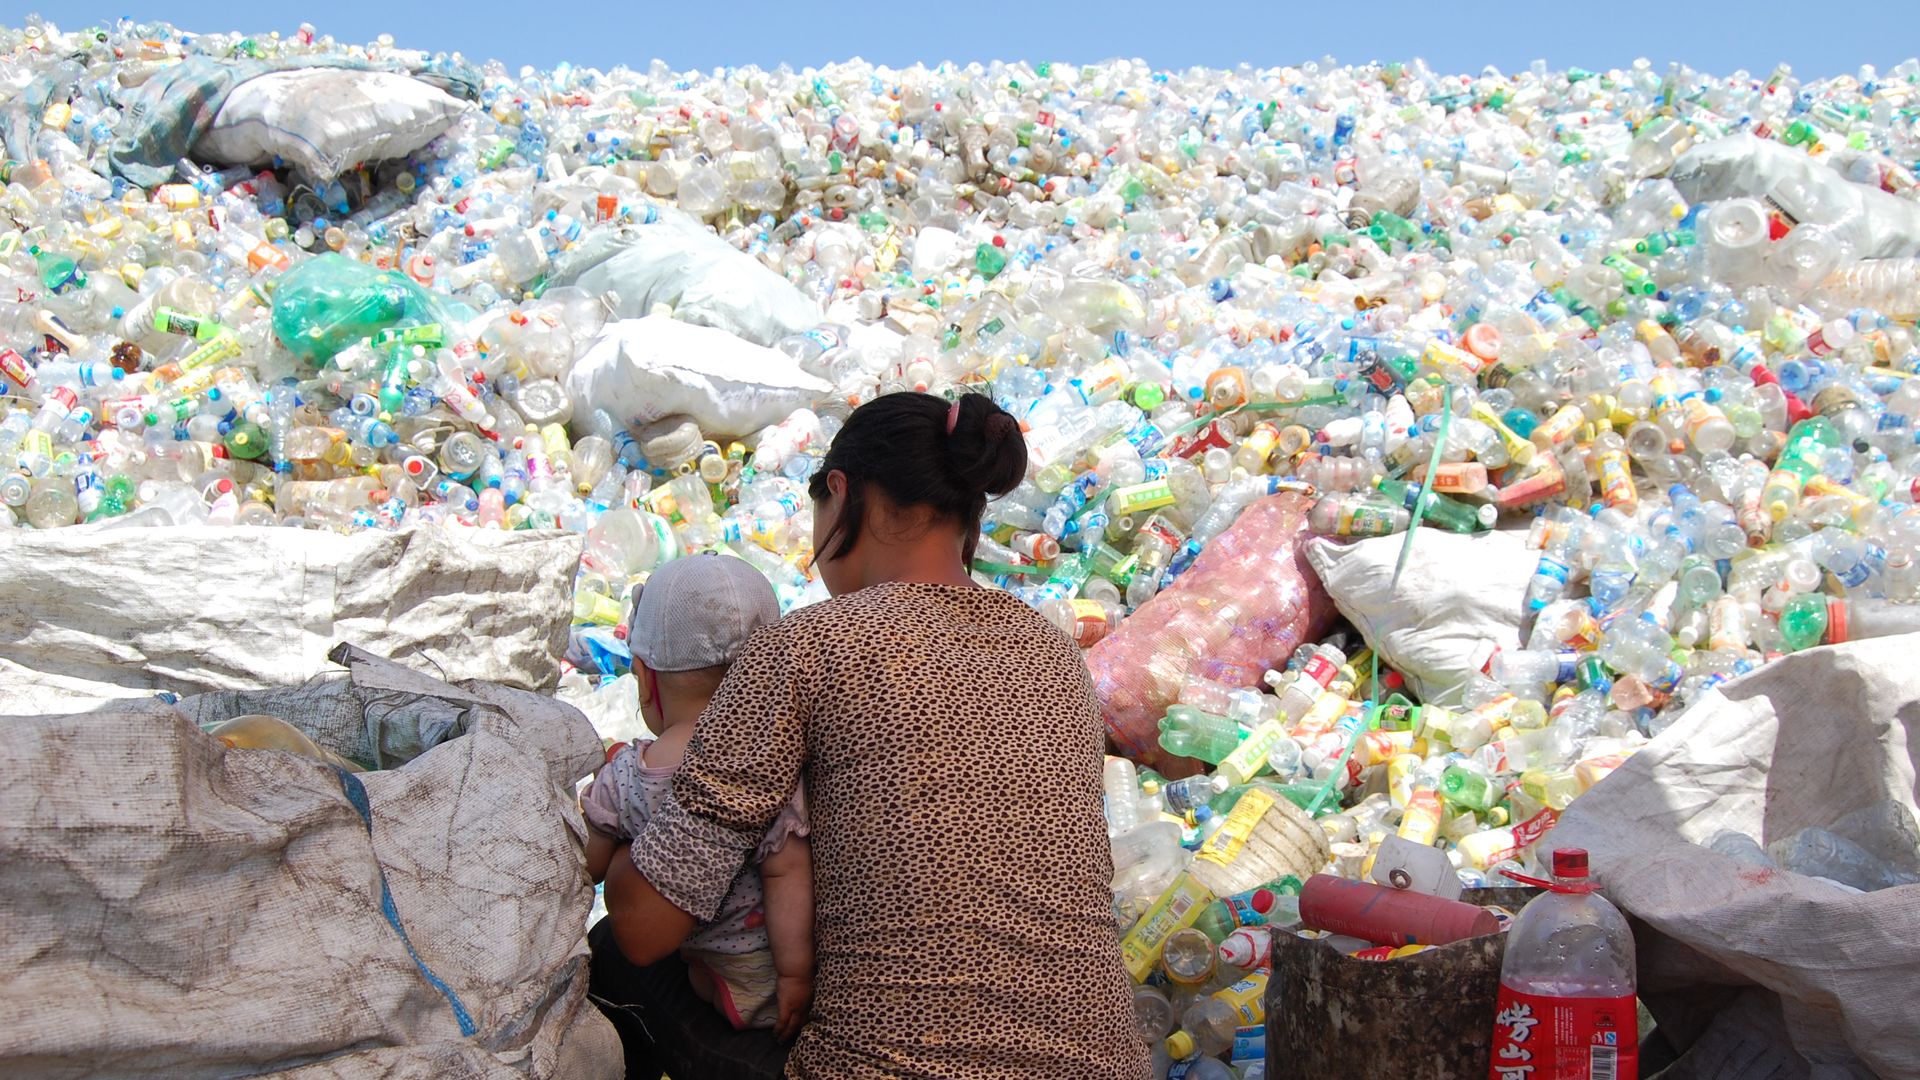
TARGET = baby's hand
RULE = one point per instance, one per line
(795, 996)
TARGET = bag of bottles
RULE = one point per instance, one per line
(325, 120)
(1246, 604)
(677, 261)
(643, 370)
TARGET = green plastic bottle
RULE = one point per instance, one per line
(58, 273)
(246, 441)
(1450, 514)
(1188, 732)
(989, 260)
(1803, 622)
(1799, 462)
(1468, 789)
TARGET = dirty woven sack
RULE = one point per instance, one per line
(1828, 974)
(177, 908)
(262, 607)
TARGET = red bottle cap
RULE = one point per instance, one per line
(1570, 863)
(1797, 410)
(1262, 901)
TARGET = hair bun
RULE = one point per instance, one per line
(986, 450)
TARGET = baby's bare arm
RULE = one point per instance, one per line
(787, 875)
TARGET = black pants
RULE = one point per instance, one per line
(665, 1027)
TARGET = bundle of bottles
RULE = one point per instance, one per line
(1429, 300)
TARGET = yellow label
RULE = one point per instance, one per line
(37, 443)
(1176, 909)
(1250, 757)
(1224, 846)
(1247, 998)
(1421, 821)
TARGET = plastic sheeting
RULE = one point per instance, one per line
(1820, 979)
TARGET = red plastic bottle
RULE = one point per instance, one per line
(1566, 1008)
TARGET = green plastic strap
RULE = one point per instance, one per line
(1021, 570)
(1340, 764)
(1425, 498)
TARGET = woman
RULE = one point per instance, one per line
(952, 751)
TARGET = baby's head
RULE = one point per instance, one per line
(689, 622)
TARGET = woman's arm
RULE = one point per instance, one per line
(646, 926)
(741, 767)
(600, 851)
(787, 877)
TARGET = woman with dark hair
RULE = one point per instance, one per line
(952, 751)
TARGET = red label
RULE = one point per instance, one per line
(1554, 1038)
(1529, 832)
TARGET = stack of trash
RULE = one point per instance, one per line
(1407, 449)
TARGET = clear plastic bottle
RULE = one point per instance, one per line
(1567, 1005)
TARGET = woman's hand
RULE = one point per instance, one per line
(646, 925)
(794, 993)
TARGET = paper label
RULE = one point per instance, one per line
(1223, 846)
(1554, 1038)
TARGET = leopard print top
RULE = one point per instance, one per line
(952, 751)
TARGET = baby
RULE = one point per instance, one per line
(754, 961)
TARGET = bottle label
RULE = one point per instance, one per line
(1224, 846)
(1250, 757)
(1248, 999)
(1536, 1037)
(1364, 520)
(1249, 1044)
(1176, 909)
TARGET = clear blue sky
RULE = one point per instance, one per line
(1818, 37)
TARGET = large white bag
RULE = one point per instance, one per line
(88, 615)
(1458, 599)
(1874, 223)
(1776, 974)
(642, 370)
(177, 908)
(678, 261)
(323, 121)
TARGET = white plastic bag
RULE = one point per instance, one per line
(1459, 597)
(642, 370)
(1800, 743)
(679, 262)
(323, 121)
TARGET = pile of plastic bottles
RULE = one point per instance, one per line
(1451, 300)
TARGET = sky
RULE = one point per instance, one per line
(1819, 39)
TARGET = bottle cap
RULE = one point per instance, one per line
(1262, 901)
(1570, 863)
(1180, 1046)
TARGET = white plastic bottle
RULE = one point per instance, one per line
(1566, 1008)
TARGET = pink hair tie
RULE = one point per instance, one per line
(953, 416)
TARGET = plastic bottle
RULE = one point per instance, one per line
(1208, 1027)
(1567, 1004)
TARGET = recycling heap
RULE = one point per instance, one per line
(1651, 326)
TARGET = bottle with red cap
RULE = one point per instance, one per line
(1566, 1009)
